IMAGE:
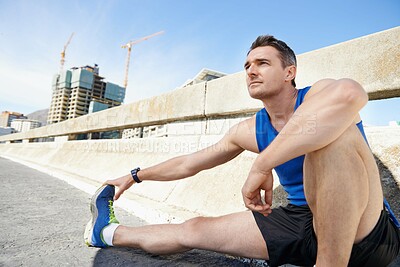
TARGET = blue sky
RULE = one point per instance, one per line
(212, 34)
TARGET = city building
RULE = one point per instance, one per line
(6, 117)
(204, 75)
(23, 125)
(81, 90)
(6, 130)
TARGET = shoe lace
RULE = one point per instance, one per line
(111, 212)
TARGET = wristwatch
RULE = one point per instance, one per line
(134, 175)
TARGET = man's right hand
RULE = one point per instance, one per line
(123, 183)
(251, 191)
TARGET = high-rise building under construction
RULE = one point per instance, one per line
(80, 91)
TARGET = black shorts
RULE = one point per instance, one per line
(290, 238)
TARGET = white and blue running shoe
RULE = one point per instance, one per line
(102, 209)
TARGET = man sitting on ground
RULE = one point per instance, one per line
(336, 215)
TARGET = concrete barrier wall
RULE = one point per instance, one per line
(208, 193)
(385, 144)
(371, 60)
(212, 192)
(180, 104)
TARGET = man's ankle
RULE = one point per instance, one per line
(108, 233)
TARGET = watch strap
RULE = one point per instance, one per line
(134, 175)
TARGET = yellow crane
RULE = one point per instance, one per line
(63, 53)
(129, 46)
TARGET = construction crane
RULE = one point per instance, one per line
(63, 53)
(129, 46)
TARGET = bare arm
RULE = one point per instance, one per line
(231, 145)
(329, 109)
(189, 165)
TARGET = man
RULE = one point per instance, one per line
(325, 166)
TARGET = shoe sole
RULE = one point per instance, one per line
(90, 225)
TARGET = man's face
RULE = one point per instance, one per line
(265, 74)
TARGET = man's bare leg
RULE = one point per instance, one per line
(343, 189)
(234, 234)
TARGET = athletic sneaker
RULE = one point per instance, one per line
(102, 210)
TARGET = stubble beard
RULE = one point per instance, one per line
(260, 93)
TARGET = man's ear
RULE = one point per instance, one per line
(290, 73)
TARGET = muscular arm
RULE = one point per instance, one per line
(329, 108)
(230, 146)
(188, 165)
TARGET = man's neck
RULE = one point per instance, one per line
(280, 107)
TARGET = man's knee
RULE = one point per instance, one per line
(191, 231)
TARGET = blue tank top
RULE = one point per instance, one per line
(290, 173)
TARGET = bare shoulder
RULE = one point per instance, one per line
(243, 134)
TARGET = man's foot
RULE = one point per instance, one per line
(102, 210)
